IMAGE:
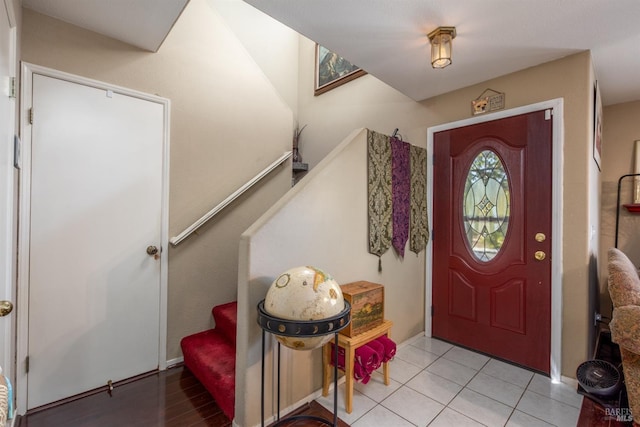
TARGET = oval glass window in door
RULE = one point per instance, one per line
(485, 206)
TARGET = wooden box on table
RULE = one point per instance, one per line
(367, 306)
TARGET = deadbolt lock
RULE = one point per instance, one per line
(539, 255)
(540, 237)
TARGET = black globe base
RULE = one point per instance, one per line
(302, 329)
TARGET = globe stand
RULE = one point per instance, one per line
(302, 329)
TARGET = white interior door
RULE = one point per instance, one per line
(96, 196)
(7, 182)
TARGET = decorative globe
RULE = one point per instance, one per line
(304, 293)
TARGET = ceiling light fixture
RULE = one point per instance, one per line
(441, 42)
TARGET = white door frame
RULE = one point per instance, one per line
(557, 106)
(8, 204)
(28, 70)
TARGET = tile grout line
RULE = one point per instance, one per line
(458, 393)
(463, 387)
(417, 391)
(523, 393)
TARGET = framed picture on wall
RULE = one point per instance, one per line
(597, 126)
(332, 70)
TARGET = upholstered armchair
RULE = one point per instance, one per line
(624, 288)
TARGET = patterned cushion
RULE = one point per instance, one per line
(624, 288)
(625, 327)
(631, 370)
(624, 282)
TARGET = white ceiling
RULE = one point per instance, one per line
(141, 23)
(388, 38)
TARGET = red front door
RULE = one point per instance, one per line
(492, 238)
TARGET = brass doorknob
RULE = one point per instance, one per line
(152, 250)
(539, 255)
(5, 308)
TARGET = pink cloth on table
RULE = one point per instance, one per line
(389, 347)
(366, 361)
(378, 348)
(360, 373)
(368, 357)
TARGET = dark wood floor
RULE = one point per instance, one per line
(594, 415)
(312, 409)
(171, 398)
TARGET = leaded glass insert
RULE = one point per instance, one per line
(485, 205)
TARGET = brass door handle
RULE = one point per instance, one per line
(5, 308)
(152, 250)
(539, 255)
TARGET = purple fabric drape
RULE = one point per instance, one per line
(401, 193)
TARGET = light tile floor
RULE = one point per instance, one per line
(434, 383)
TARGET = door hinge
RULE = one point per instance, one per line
(431, 311)
(12, 87)
(31, 115)
(26, 364)
(547, 114)
(432, 234)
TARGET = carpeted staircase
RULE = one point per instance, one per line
(211, 356)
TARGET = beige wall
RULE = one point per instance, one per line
(227, 123)
(321, 222)
(367, 102)
(621, 129)
(364, 102)
(273, 46)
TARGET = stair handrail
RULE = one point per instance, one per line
(206, 217)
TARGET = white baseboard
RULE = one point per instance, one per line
(173, 362)
(410, 341)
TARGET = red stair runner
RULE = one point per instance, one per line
(211, 356)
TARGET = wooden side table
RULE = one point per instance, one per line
(350, 344)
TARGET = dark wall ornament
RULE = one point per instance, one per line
(332, 70)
